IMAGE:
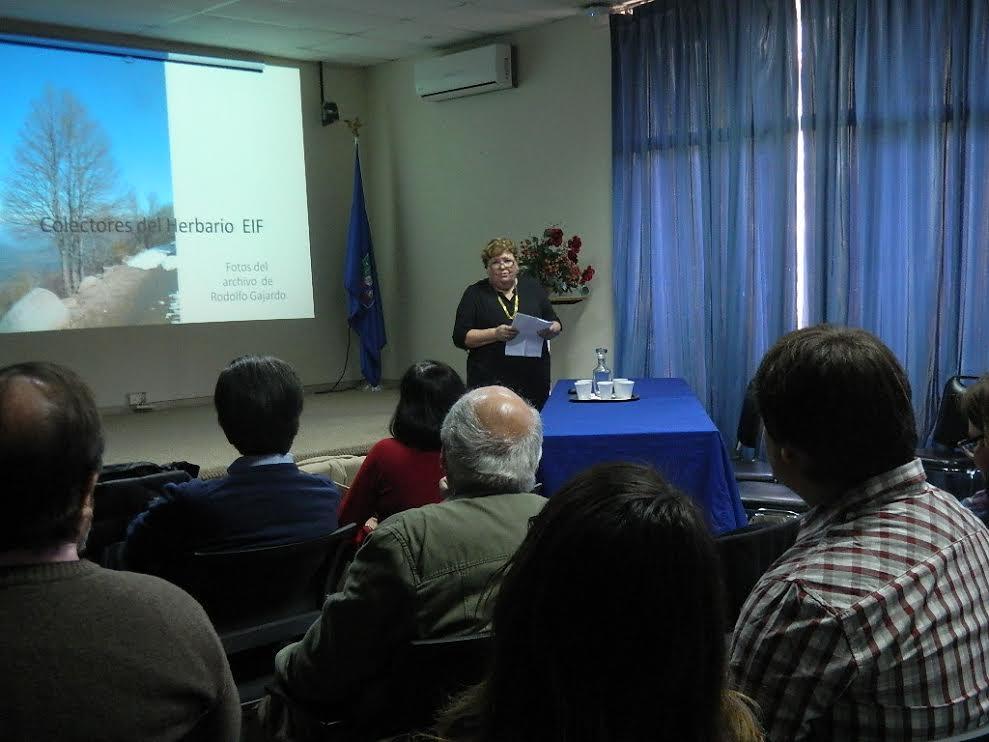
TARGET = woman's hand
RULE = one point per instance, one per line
(504, 333)
(552, 331)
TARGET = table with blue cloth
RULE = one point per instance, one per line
(666, 427)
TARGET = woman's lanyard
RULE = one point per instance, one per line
(504, 307)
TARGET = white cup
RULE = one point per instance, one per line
(583, 387)
(604, 389)
(623, 388)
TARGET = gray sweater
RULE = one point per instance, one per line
(93, 654)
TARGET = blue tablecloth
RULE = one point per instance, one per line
(666, 427)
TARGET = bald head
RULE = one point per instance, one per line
(51, 445)
(25, 406)
(503, 413)
(492, 442)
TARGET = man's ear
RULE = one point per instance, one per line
(87, 496)
(795, 458)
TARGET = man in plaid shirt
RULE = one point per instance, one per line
(875, 624)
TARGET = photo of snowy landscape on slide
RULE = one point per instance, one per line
(85, 193)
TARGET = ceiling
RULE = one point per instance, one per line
(351, 32)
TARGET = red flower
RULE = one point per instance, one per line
(587, 275)
(554, 235)
(573, 245)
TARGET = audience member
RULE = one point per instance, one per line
(264, 500)
(404, 471)
(875, 624)
(608, 624)
(424, 573)
(88, 653)
(975, 405)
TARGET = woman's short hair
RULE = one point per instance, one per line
(975, 404)
(497, 246)
(609, 621)
(839, 395)
(427, 392)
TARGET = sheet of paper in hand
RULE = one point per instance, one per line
(527, 343)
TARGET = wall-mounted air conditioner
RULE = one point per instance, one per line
(465, 73)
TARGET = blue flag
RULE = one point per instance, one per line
(364, 312)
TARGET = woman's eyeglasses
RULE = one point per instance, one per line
(970, 445)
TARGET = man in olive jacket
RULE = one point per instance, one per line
(423, 573)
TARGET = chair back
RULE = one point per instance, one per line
(951, 425)
(116, 501)
(423, 676)
(749, 422)
(249, 587)
(747, 553)
(440, 669)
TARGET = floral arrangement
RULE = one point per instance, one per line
(553, 263)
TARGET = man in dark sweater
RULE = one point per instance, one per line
(88, 653)
(264, 500)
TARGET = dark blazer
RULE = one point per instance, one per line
(252, 506)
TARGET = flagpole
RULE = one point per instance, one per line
(370, 278)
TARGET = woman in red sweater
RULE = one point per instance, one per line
(404, 471)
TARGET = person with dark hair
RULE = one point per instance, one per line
(975, 406)
(265, 500)
(404, 471)
(875, 624)
(423, 573)
(88, 653)
(643, 659)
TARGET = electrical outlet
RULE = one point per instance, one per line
(136, 399)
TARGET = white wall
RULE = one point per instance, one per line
(444, 177)
(173, 362)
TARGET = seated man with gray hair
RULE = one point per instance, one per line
(423, 573)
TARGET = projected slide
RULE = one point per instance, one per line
(137, 192)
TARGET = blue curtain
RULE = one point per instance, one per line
(704, 183)
(897, 179)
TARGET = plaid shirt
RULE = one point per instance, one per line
(875, 624)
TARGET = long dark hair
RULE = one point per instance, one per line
(426, 393)
(608, 624)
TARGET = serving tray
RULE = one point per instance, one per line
(596, 400)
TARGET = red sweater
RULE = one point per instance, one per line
(392, 478)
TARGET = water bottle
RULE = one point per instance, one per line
(601, 371)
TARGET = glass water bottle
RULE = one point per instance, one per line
(601, 372)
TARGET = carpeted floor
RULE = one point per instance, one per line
(341, 422)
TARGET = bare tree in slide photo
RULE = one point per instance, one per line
(63, 171)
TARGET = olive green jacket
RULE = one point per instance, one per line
(423, 573)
